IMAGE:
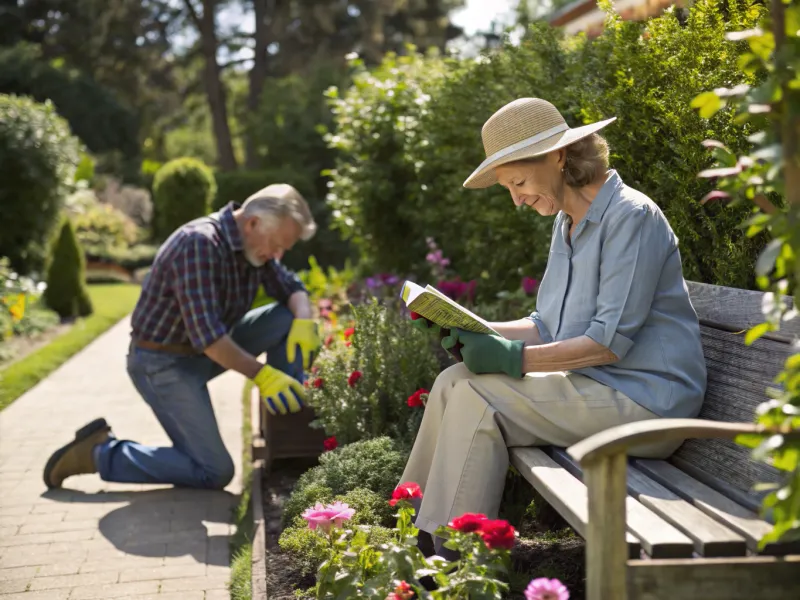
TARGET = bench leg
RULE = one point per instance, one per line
(606, 550)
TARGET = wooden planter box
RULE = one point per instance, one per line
(284, 436)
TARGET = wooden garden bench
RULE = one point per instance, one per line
(687, 527)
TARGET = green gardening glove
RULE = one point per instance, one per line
(281, 393)
(487, 353)
(424, 324)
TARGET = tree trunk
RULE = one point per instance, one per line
(258, 75)
(215, 92)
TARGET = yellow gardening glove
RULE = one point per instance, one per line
(280, 392)
(305, 334)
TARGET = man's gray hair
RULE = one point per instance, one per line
(277, 201)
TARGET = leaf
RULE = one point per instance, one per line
(766, 260)
(749, 440)
(787, 460)
(720, 172)
(708, 104)
(715, 195)
(756, 332)
(769, 445)
(736, 36)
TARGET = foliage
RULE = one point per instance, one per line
(20, 313)
(94, 114)
(408, 135)
(110, 302)
(394, 360)
(182, 190)
(66, 291)
(357, 567)
(374, 465)
(100, 228)
(39, 158)
(132, 201)
(769, 170)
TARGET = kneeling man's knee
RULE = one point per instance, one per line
(220, 473)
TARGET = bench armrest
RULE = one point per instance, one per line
(618, 439)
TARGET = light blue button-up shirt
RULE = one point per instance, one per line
(619, 281)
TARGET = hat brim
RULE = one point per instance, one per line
(484, 176)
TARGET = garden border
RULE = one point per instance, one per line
(258, 574)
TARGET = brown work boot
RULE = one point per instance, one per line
(76, 457)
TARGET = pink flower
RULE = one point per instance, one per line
(418, 397)
(325, 517)
(546, 589)
(529, 285)
(405, 491)
(330, 443)
(354, 377)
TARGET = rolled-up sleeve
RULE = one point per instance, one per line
(544, 334)
(280, 282)
(196, 288)
(633, 253)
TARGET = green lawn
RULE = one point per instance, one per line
(111, 303)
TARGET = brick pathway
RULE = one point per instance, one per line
(94, 539)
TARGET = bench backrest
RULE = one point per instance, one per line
(738, 376)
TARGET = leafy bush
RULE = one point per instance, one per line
(66, 291)
(100, 228)
(183, 190)
(132, 201)
(94, 115)
(375, 465)
(39, 158)
(408, 135)
(393, 360)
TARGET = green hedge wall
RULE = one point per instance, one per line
(408, 134)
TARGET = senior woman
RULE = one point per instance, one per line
(614, 338)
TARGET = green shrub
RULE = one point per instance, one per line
(66, 291)
(394, 359)
(375, 465)
(39, 158)
(102, 229)
(408, 135)
(182, 190)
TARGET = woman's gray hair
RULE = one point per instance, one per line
(586, 160)
(275, 202)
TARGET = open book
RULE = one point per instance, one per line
(435, 306)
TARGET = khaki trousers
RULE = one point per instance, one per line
(460, 455)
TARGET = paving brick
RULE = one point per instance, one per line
(48, 538)
(164, 572)
(121, 563)
(217, 595)
(12, 586)
(17, 573)
(114, 590)
(8, 530)
(58, 526)
(14, 511)
(196, 595)
(71, 581)
(195, 583)
(61, 594)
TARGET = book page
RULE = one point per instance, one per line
(435, 306)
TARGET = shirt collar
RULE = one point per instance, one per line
(604, 196)
(230, 231)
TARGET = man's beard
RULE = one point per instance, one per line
(252, 259)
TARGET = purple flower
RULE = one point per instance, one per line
(546, 589)
(372, 283)
(529, 285)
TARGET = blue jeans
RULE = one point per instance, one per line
(175, 388)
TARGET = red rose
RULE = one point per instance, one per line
(318, 382)
(328, 340)
(416, 398)
(348, 333)
(415, 316)
(354, 377)
(330, 443)
(497, 534)
(348, 343)
(405, 491)
(468, 522)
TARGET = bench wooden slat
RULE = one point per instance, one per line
(659, 538)
(736, 309)
(714, 579)
(560, 489)
(722, 508)
(710, 537)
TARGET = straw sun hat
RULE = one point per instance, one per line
(524, 128)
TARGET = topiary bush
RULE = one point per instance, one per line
(39, 156)
(375, 465)
(409, 133)
(182, 191)
(66, 291)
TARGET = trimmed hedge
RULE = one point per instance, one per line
(408, 135)
(39, 156)
(66, 291)
(182, 191)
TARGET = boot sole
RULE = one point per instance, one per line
(80, 435)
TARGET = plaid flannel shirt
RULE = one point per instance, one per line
(200, 284)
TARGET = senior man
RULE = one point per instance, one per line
(192, 322)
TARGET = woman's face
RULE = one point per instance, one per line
(538, 183)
